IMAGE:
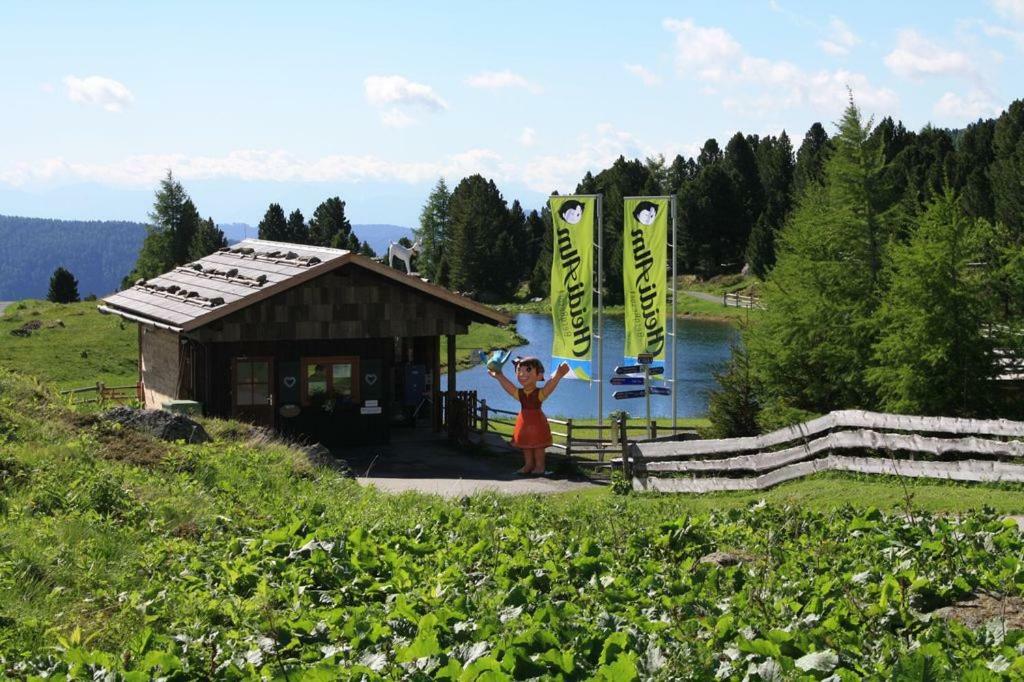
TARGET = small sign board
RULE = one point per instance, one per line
(658, 369)
(627, 381)
(629, 369)
(621, 395)
(645, 358)
(370, 410)
(660, 390)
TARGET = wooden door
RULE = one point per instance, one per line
(253, 389)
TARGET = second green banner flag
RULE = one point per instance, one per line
(645, 243)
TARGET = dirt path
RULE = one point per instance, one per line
(4, 304)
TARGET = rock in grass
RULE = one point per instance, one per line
(159, 423)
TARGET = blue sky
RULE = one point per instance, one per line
(250, 103)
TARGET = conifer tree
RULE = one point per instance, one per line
(433, 233)
(63, 287)
(933, 356)
(478, 213)
(816, 338)
(1007, 169)
(174, 222)
(274, 227)
(810, 159)
(208, 238)
(296, 231)
(330, 227)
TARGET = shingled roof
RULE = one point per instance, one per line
(197, 293)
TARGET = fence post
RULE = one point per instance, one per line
(654, 429)
(624, 445)
(483, 416)
(568, 438)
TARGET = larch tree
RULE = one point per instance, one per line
(434, 234)
(815, 340)
(933, 355)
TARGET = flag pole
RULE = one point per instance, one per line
(675, 322)
(600, 317)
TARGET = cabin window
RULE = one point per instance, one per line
(333, 377)
(252, 381)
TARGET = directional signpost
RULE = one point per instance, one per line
(619, 395)
(643, 367)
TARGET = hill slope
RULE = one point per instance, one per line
(99, 253)
(242, 559)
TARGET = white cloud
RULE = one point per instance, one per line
(649, 79)
(917, 57)
(702, 51)
(496, 80)
(1011, 9)
(993, 31)
(104, 92)
(396, 118)
(590, 151)
(840, 39)
(751, 85)
(959, 109)
(397, 90)
(147, 170)
(528, 137)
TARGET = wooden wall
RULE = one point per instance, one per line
(350, 303)
(159, 365)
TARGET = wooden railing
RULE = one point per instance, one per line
(901, 445)
(734, 300)
(101, 393)
(584, 444)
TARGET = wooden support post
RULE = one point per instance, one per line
(568, 438)
(450, 402)
(435, 385)
(624, 445)
(483, 417)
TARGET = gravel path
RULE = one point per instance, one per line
(430, 465)
(4, 304)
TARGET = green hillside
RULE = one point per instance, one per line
(126, 558)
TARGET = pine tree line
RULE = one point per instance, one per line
(327, 227)
(898, 285)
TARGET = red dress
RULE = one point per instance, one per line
(532, 430)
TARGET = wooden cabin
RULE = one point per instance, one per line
(313, 342)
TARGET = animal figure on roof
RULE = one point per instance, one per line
(403, 253)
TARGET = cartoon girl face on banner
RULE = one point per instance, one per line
(645, 213)
(572, 212)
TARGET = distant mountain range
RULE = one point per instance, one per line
(99, 253)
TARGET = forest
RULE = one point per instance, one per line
(95, 251)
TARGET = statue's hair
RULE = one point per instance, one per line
(530, 362)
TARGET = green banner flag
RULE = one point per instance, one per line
(644, 247)
(572, 283)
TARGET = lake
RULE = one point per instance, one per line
(703, 347)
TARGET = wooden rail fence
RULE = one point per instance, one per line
(933, 447)
(585, 444)
(101, 393)
(734, 300)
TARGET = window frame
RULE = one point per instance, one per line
(331, 360)
(269, 361)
